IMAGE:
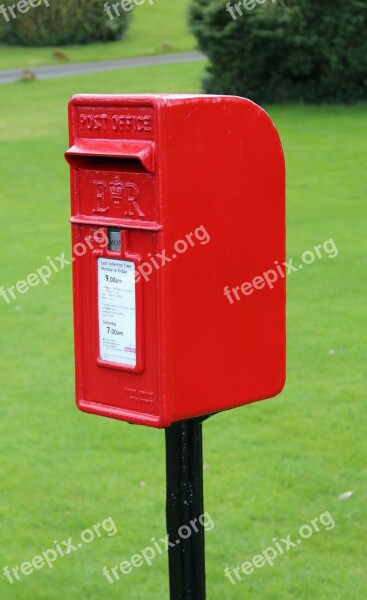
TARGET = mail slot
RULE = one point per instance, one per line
(179, 296)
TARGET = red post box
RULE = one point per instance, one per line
(181, 311)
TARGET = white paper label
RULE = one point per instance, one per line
(117, 311)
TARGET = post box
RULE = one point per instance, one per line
(179, 309)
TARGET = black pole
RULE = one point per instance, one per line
(185, 505)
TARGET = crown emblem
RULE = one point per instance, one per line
(117, 190)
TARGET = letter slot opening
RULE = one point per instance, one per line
(143, 152)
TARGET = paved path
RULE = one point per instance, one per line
(93, 67)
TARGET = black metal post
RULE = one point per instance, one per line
(185, 503)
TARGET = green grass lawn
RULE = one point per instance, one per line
(270, 467)
(152, 25)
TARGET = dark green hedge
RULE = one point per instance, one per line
(285, 50)
(2, 32)
(64, 22)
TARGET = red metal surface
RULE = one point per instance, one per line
(159, 168)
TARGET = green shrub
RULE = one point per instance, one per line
(2, 33)
(285, 50)
(65, 22)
